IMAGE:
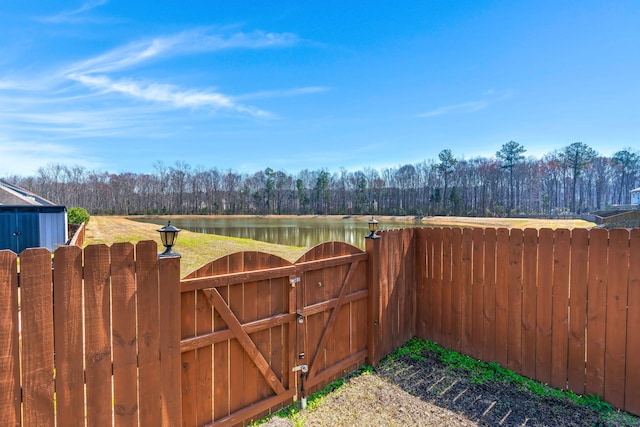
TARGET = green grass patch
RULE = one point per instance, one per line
(482, 372)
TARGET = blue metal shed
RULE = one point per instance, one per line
(30, 221)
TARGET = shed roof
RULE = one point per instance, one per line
(636, 190)
(16, 196)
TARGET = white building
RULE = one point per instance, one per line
(635, 196)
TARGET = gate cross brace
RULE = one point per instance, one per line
(243, 338)
(328, 330)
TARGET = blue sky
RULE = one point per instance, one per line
(244, 85)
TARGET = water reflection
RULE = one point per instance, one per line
(304, 232)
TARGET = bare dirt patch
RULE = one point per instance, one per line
(409, 392)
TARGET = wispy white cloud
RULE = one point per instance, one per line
(164, 93)
(491, 96)
(73, 16)
(466, 107)
(188, 42)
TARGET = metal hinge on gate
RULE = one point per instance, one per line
(293, 281)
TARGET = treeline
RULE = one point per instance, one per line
(574, 179)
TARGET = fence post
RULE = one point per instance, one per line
(169, 302)
(374, 330)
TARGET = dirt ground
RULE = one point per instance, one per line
(408, 392)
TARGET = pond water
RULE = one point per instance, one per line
(303, 232)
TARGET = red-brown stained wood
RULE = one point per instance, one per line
(578, 309)
(263, 339)
(632, 384)
(236, 352)
(9, 333)
(560, 310)
(148, 332)
(514, 316)
(250, 313)
(489, 296)
(477, 289)
(123, 291)
(188, 360)
(374, 318)
(395, 289)
(423, 288)
(447, 337)
(204, 361)
(220, 350)
(36, 303)
(97, 309)
(502, 296)
(169, 303)
(456, 289)
(544, 305)
(411, 281)
(467, 292)
(67, 295)
(596, 310)
(529, 301)
(616, 328)
(437, 287)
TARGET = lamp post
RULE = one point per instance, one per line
(168, 236)
(373, 227)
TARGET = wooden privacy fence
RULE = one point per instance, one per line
(251, 320)
(561, 307)
(113, 336)
(107, 352)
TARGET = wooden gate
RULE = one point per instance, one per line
(250, 318)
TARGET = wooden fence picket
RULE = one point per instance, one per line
(67, 296)
(36, 311)
(615, 347)
(9, 340)
(632, 379)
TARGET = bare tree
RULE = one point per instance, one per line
(511, 154)
(576, 157)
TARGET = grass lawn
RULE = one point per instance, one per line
(196, 248)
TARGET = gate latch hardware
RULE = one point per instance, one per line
(303, 368)
(293, 281)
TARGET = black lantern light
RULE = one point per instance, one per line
(373, 227)
(168, 235)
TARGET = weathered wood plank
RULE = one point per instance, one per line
(489, 296)
(544, 305)
(616, 328)
(578, 309)
(502, 296)
(67, 297)
(169, 303)
(36, 303)
(97, 313)
(596, 310)
(529, 301)
(9, 340)
(560, 310)
(477, 290)
(457, 286)
(148, 332)
(514, 295)
(123, 297)
(632, 384)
